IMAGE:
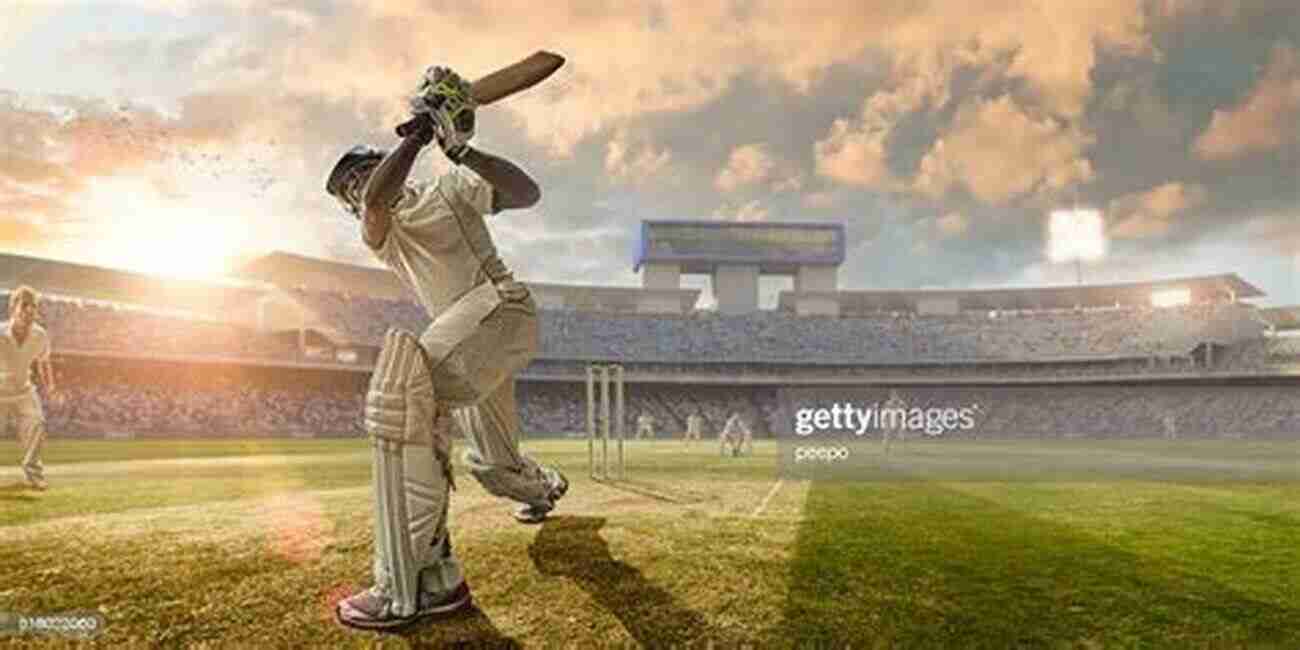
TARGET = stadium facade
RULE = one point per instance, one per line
(734, 256)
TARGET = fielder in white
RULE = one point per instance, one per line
(25, 347)
(895, 421)
(736, 436)
(694, 426)
(645, 426)
(484, 331)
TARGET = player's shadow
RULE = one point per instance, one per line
(572, 547)
(469, 629)
(17, 492)
(657, 492)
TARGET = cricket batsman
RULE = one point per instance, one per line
(24, 348)
(484, 330)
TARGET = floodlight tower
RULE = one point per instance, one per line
(1076, 235)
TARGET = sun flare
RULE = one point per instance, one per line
(193, 235)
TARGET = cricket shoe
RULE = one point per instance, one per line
(371, 610)
(38, 484)
(536, 513)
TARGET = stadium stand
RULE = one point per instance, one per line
(171, 364)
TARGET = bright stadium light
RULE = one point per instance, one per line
(1076, 235)
(1171, 297)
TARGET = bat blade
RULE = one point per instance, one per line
(516, 77)
(500, 84)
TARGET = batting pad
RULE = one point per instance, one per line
(400, 403)
(411, 487)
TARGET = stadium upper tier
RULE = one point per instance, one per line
(886, 339)
(358, 323)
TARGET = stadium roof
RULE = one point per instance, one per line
(1284, 318)
(117, 285)
(1052, 297)
(291, 271)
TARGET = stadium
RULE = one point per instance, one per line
(284, 348)
(1143, 436)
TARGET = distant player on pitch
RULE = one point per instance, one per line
(736, 437)
(895, 421)
(694, 426)
(24, 349)
(645, 426)
(434, 237)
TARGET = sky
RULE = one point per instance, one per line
(181, 136)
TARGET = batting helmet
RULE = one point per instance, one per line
(355, 157)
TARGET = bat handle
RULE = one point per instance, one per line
(410, 126)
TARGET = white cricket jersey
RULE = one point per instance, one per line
(733, 426)
(16, 361)
(439, 244)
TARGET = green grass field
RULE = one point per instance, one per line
(249, 543)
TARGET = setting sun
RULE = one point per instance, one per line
(192, 234)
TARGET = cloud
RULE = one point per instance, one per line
(819, 200)
(1054, 45)
(634, 160)
(952, 224)
(1149, 214)
(754, 165)
(928, 233)
(1278, 234)
(961, 125)
(856, 156)
(997, 151)
(1265, 121)
(674, 55)
(857, 152)
(750, 211)
(747, 165)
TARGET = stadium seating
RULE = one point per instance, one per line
(762, 337)
(692, 355)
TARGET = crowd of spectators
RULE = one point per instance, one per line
(889, 338)
(936, 371)
(191, 400)
(100, 327)
(362, 319)
(764, 337)
(1119, 411)
(690, 357)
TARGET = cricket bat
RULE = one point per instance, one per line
(516, 77)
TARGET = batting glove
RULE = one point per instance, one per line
(446, 98)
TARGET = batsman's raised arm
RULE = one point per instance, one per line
(512, 187)
(447, 101)
(386, 184)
